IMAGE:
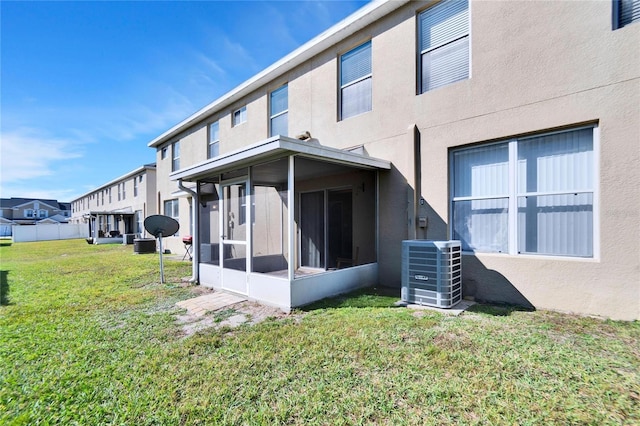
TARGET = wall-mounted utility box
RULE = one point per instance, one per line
(432, 272)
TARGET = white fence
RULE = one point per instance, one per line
(45, 231)
(5, 230)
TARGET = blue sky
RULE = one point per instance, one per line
(84, 86)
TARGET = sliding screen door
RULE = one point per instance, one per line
(312, 229)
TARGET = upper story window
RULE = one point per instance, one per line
(532, 195)
(279, 112)
(443, 44)
(135, 186)
(163, 152)
(109, 194)
(239, 116)
(355, 81)
(43, 214)
(124, 193)
(625, 12)
(29, 213)
(119, 193)
(213, 146)
(175, 156)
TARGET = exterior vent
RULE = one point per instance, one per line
(431, 273)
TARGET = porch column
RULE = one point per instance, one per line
(291, 222)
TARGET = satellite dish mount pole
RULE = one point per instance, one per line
(161, 263)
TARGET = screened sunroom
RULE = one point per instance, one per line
(286, 222)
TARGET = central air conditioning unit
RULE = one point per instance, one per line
(431, 273)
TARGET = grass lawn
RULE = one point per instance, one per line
(89, 336)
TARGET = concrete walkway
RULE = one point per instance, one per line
(200, 305)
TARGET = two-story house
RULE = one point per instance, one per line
(513, 127)
(118, 207)
(29, 211)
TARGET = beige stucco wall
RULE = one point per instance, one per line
(535, 66)
(145, 201)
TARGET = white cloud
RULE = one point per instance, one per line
(24, 191)
(28, 153)
(210, 63)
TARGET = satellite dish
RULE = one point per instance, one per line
(159, 225)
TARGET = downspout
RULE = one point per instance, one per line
(195, 207)
(419, 212)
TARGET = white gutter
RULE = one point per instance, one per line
(363, 17)
(195, 204)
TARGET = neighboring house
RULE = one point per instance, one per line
(119, 206)
(29, 211)
(511, 126)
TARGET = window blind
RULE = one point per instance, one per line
(279, 100)
(443, 23)
(355, 64)
(629, 11)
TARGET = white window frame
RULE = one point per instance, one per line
(29, 213)
(239, 116)
(213, 144)
(449, 42)
(175, 156)
(277, 114)
(358, 80)
(119, 193)
(174, 207)
(514, 194)
(135, 186)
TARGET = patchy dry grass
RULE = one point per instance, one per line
(89, 336)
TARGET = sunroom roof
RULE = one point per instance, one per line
(277, 147)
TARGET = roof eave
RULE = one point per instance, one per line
(350, 25)
(276, 147)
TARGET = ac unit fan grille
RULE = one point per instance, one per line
(432, 273)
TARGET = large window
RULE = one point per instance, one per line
(175, 158)
(355, 81)
(279, 112)
(135, 186)
(213, 147)
(625, 12)
(531, 195)
(444, 44)
(171, 209)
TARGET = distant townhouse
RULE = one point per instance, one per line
(29, 211)
(510, 126)
(119, 206)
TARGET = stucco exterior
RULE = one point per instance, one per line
(535, 67)
(122, 203)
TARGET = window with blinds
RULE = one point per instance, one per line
(213, 147)
(443, 44)
(532, 195)
(175, 157)
(355, 81)
(279, 112)
(625, 12)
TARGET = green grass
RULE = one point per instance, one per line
(88, 336)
